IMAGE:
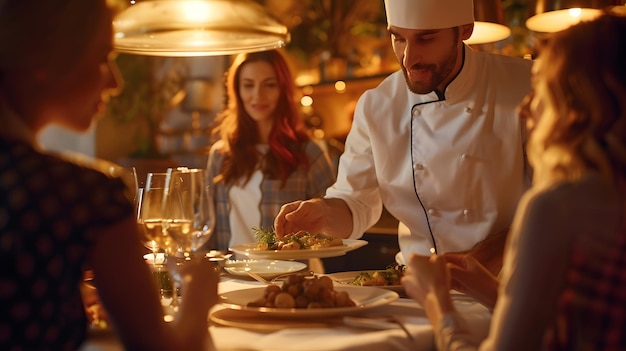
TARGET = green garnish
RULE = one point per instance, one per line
(267, 240)
(267, 236)
(391, 275)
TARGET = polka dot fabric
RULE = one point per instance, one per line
(49, 207)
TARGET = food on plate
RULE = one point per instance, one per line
(303, 291)
(302, 240)
(389, 276)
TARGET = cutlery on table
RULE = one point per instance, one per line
(275, 279)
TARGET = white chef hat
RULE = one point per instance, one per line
(429, 14)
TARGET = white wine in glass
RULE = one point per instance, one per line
(191, 217)
(197, 205)
(150, 220)
(150, 211)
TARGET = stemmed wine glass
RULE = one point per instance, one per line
(149, 210)
(150, 218)
(191, 217)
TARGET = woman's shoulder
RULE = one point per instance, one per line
(86, 164)
(216, 153)
(314, 147)
(217, 146)
(55, 164)
(576, 206)
(71, 182)
(589, 191)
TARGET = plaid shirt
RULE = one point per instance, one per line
(301, 185)
(591, 310)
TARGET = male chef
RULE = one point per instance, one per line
(439, 143)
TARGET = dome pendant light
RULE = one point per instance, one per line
(489, 24)
(184, 28)
(549, 16)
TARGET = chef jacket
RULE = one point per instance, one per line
(451, 168)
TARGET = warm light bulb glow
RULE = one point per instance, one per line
(340, 86)
(488, 32)
(575, 12)
(555, 21)
(196, 11)
(319, 134)
(306, 101)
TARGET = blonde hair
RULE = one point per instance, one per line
(581, 81)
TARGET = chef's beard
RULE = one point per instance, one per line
(439, 72)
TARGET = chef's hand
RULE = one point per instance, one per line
(472, 278)
(300, 215)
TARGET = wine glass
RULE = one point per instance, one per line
(150, 220)
(149, 210)
(196, 199)
(191, 217)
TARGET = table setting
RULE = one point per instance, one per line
(269, 298)
(383, 318)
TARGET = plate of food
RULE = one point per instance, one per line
(305, 297)
(296, 246)
(267, 269)
(385, 278)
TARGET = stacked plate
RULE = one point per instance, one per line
(267, 269)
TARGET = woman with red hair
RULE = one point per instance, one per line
(264, 156)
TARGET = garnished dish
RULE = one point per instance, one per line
(390, 276)
(302, 291)
(321, 301)
(301, 240)
(295, 246)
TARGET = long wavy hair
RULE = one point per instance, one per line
(240, 133)
(581, 78)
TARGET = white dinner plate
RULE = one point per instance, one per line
(251, 251)
(344, 278)
(267, 269)
(364, 297)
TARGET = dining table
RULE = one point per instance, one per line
(400, 324)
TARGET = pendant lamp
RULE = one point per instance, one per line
(549, 16)
(489, 25)
(184, 28)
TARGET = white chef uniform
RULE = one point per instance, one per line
(451, 168)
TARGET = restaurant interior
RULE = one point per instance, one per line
(337, 49)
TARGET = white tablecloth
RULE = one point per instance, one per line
(332, 338)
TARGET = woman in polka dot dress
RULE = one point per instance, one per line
(60, 217)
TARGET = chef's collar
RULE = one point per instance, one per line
(465, 80)
(13, 127)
